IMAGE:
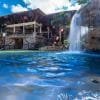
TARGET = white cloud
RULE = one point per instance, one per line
(18, 8)
(5, 5)
(49, 6)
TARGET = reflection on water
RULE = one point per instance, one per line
(49, 76)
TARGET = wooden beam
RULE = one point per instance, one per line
(25, 24)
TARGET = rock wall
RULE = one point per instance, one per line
(91, 41)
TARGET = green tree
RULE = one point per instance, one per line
(81, 1)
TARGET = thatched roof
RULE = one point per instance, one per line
(26, 16)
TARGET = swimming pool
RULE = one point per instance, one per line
(49, 76)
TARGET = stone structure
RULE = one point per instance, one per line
(31, 29)
(91, 41)
(91, 19)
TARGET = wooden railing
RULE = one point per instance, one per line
(19, 35)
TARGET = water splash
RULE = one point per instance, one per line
(63, 96)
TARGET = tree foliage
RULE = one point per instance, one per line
(82, 1)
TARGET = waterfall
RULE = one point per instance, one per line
(76, 32)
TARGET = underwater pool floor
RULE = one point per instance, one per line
(49, 76)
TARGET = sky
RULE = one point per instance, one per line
(47, 6)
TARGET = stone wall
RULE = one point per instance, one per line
(29, 41)
(91, 40)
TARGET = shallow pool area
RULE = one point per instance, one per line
(49, 76)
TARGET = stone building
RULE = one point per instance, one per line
(32, 29)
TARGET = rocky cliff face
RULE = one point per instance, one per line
(91, 41)
(91, 18)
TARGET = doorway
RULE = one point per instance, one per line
(18, 43)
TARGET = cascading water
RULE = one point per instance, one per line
(76, 32)
(74, 37)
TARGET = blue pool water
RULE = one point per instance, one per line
(49, 76)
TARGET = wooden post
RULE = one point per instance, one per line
(34, 27)
(60, 33)
(23, 29)
(48, 30)
(34, 33)
(40, 28)
(14, 29)
(1, 30)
